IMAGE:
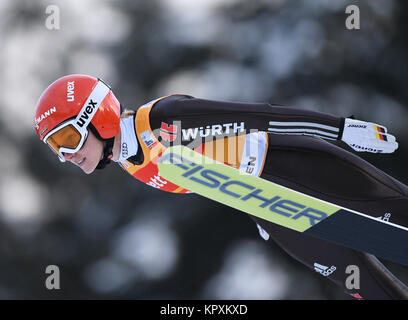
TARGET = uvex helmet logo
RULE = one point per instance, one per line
(70, 91)
(87, 113)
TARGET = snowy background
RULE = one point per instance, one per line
(113, 237)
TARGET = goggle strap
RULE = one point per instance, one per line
(91, 105)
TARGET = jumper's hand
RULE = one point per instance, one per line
(368, 137)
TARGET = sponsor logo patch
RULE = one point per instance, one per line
(147, 139)
(324, 270)
(156, 181)
(213, 130)
(168, 132)
(363, 126)
(386, 217)
(362, 148)
(124, 149)
(43, 116)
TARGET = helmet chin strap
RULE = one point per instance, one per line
(107, 150)
(107, 154)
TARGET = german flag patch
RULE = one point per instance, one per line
(379, 135)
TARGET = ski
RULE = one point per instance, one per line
(281, 205)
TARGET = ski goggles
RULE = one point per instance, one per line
(70, 136)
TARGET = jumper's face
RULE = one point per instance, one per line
(88, 157)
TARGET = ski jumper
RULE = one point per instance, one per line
(291, 152)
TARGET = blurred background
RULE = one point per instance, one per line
(113, 237)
